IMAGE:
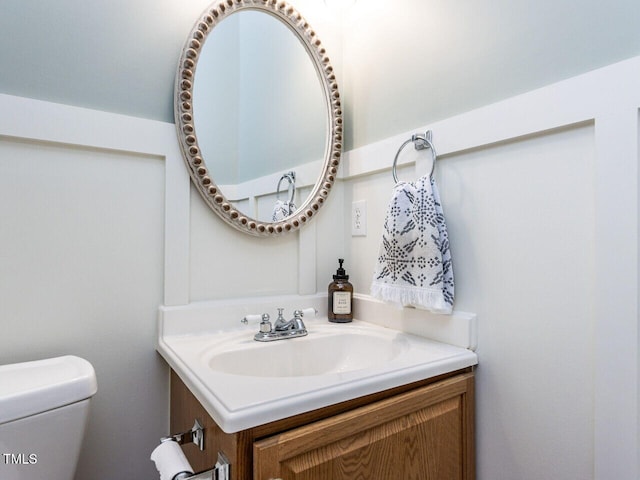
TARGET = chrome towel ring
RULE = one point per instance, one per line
(290, 177)
(420, 142)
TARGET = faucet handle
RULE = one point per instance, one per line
(265, 324)
(297, 320)
(254, 317)
(308, 312)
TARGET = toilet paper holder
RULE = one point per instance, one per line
(219, 472)
(195, 435)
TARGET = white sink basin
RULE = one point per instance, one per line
(243, 383)
(326, 350)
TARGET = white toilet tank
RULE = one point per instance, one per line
(44, 407)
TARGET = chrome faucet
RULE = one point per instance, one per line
(282, 328)
(295, 323)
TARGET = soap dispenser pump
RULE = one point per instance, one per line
(340, 297)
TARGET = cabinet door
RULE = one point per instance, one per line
(424, 434)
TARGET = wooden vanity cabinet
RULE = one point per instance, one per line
(421, 431)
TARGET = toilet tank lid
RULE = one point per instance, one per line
(34, 387)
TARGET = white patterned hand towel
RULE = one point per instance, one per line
(414, 262)
(282, 210)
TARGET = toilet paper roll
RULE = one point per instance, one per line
(170, 460)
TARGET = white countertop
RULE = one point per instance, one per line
(237, 402)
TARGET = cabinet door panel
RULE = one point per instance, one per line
(420, 435)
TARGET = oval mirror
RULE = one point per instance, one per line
(258, 115)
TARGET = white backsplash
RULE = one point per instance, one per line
(458, 329)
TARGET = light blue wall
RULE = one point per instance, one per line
(111, 55)
(251, 119)
(215, 94)
(406, 62)
(412, 62)
(282, 123)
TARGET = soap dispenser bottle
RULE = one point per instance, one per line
(340, 297)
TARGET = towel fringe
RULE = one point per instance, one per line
(403, 296)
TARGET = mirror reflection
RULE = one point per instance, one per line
(260, 115)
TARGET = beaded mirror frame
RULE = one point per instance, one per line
(183, 109)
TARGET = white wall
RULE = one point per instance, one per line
(82, 262)
(99, 227)
(225, 263)
(521, 224)
(541, 197)
(540, 192)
